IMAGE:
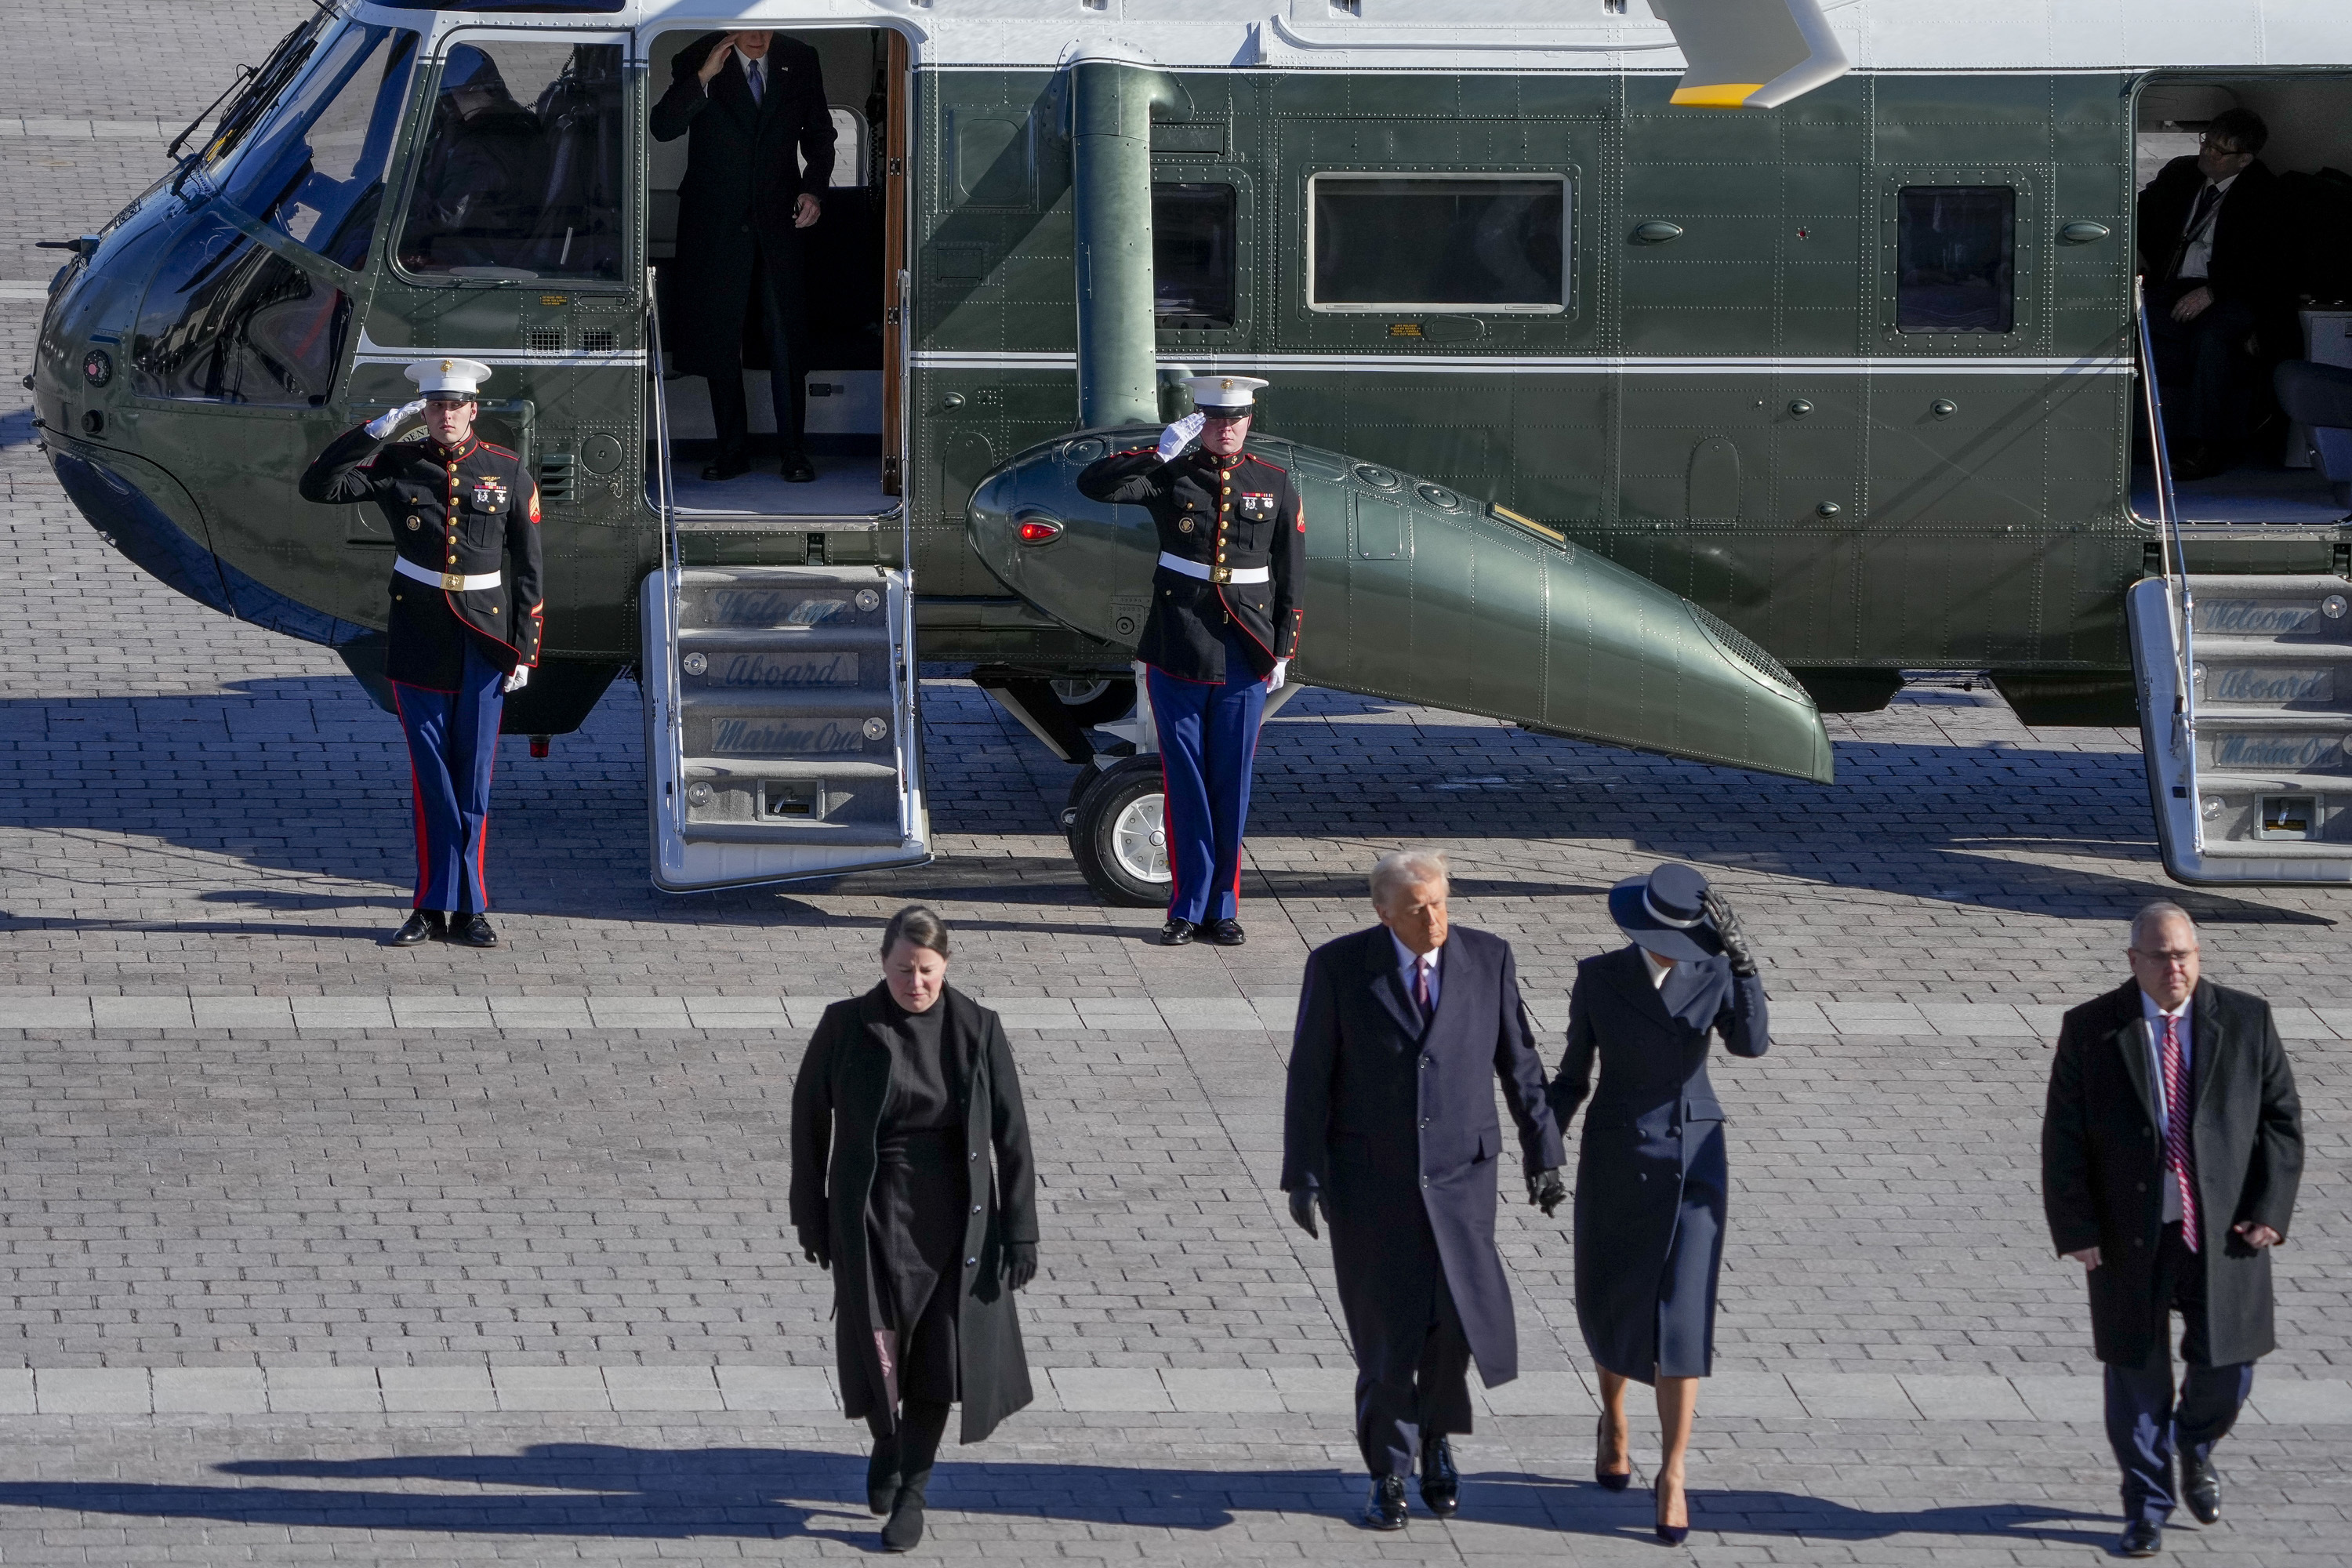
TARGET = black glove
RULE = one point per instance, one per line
(1304, 1201)
(1726, 928)
(1020, 1264)
(816, 1248)
(1546, 1191)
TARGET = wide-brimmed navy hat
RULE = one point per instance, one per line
(1664, 912)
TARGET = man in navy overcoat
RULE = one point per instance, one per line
(1389, 1128)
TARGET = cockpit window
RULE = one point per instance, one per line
(519, 175)
(228, 319)
(314, 168)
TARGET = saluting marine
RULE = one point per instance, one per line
(1222, 631)
(464, 630)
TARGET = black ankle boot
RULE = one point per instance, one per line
(922, 1424)
(882, 1473)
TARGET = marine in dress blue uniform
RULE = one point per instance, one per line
(464, 621)
(1220, 636)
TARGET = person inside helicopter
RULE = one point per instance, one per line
(485, 175)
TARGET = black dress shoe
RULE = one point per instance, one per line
(724, 468)
(1441, 1483)
(797, 471)
(475, 931)
(1178, 933)
(2201, 1488)
(421, 927)
(2140, 1538)
(1384, 1510)
(1226, 933)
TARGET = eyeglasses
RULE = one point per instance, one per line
(2208, 145)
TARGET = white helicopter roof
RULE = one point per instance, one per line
(1553, 36)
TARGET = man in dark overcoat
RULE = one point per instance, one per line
(2171, 1148)
(752, 105)
(1389, 1129)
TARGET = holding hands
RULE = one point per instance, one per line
(1546, 1191)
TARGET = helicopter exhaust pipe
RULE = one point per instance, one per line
(1111, 102)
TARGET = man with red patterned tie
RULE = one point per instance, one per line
(2171, 1147)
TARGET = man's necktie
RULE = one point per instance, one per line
(2177, 1156)
(759, 85)
(2206, 200)
(1420, 984)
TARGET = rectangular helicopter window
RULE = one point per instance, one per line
(1455, 242)
(228, 319)
(314, 170)
(518, 175)
(1193, 254)
(1956, 258)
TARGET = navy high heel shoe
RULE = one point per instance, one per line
(1672, 1534)
(1616, 1483)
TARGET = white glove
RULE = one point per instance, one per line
(1274, 681)
(383, 424)
(519, 680)
(1180, 435)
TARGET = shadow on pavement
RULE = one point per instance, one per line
(600, 1489)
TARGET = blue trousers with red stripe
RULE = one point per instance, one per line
(453, 740)
(1208, 747)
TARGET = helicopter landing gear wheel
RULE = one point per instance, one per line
(1091, 699)
(1118, 834)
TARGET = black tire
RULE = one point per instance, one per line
(1114, 809)
(1093, 700)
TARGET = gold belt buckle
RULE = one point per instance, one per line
(453, 582)
(1221, 574)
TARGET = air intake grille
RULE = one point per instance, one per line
(596, 340)
(543, 339)
(1743, 647)
(555, 478)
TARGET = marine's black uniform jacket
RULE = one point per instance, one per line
(465, 512)
(1233, 513)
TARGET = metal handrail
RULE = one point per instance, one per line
(2175, 556)
(672, 566)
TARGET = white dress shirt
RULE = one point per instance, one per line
(1658, 971)
(1408, 961)
(2197, 261)
(2152, 1030)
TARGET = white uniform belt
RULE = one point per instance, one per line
(453, 582)
(1184, 568)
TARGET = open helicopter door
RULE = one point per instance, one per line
(783, 733)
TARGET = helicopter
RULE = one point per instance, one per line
(1784, 346)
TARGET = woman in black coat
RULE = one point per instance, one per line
(912, 1180)
(1651, 1177)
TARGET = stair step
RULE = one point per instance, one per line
(2317, 720)
(2216, 646)
(2220, 782)
(2272, 606)
(878, 834)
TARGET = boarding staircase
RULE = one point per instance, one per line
(782, 730)
(2245, 702)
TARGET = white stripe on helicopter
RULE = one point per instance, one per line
(373, 352)
(1580, 364)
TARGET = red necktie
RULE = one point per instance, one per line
(2177, 1156)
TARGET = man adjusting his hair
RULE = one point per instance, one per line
(1218, 638)
(463, 629)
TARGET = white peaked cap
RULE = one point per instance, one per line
(1224, 390)
(457, 379)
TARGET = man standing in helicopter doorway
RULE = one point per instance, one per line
(464, 630)
(1219, 640)
(751, 101)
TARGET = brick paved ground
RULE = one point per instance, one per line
(315, 1251)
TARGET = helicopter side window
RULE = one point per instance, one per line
(519, 175)
(314, 170)
(1956, 259)
(228, 319)
(1192, 250)
(1459, 242)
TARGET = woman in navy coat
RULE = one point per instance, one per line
(1651, 1178)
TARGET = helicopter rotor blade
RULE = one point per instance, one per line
(1750, 54)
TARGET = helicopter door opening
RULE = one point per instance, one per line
(826, 298)
(2273, 459)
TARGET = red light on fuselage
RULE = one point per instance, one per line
(1034, 531)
